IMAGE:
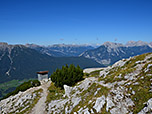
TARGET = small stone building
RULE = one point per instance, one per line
(42, 75)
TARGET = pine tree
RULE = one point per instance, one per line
(68, 75)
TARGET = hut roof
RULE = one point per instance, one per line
(43, 72)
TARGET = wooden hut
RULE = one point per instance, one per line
(42, 75)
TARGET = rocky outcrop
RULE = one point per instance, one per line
(68, 90)
(20, 102)
(117, 90)
(147, 108)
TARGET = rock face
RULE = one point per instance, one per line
(117, 89)
(99, 103)
(109, 52)
(20, 102)
(67, 90)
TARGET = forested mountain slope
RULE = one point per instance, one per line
(20, 62)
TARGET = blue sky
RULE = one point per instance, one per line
(48, 22)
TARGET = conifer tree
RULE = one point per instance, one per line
(68, 75)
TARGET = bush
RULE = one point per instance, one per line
(23, 87)
(68, 75)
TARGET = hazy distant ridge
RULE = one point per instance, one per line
(60, 50)
(109, 52)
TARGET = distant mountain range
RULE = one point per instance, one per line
(109, 52)
(23, 61)
(61, 50)
(20, 62)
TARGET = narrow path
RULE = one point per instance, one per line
(40, 106)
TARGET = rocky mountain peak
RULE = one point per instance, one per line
(136, 43)
(150, 44)
(3, 43)
(4, 46)
(112, 45)
(32, 45)
(69, 45)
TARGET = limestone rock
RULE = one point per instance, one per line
(99, 103)
(68, 90)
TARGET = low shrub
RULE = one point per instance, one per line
(23, 87)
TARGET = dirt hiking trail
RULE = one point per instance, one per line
(39, 108)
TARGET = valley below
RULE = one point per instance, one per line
(124, 87)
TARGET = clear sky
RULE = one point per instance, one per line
(48, 22)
